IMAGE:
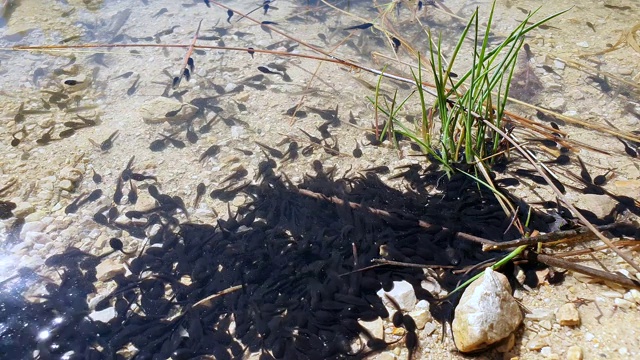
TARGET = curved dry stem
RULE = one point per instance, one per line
(562, 197)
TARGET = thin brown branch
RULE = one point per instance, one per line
(607, 276)
(423, 224)
(633, 244)
(573, 209)
(205, 301)
(558, 236)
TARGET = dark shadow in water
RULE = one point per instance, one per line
(292, 254)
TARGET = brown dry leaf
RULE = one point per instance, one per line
(631, 38)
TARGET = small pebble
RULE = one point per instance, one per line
(568, 315)
(558, 64)
(633, 295)
(557, 104)
(545, 324)
(623, 304)
(538, 342)
(66, 185)
(574, 353)
(611, 294)
(583, 44)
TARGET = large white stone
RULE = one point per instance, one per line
(402, 293)
(486, 314)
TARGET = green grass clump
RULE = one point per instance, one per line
(451, 129)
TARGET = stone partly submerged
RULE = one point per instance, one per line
(486, 314)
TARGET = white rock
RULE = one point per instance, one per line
(34, 216)
(624, 304)
(230, 86)
(33, 237)
(66, 185)
(545, 324)
(486, 314)
(558, 64)
(611, 294)
(237, 132)
(108, 268)
(429, 328)
(375, 327)
(431, 285)
(583, 44)
(568, 315)
(537, 342)
(33, 226)
(421, 314)
(633, 295)
(23, 209)
(538, 314)
(545, 351)
(574, 353)
(386, 356)
(557, 104)
(402, 293)
(103, 315)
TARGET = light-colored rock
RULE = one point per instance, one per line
(574, 353)
(23, 209)
(73, 174)
(431, 285)
(624, 304)
(537, 342)
(557, 104)
(633, 295)
(402, 293)
(375, 327)
(109, 268)
(568, 315)
(421, 314)
(600, 205)
(486, 314)
(33, 237)
(539, 314)
(66, 185)
(32, 226)
(386, 356)
(558, 64)
(162, 109)
(546, 324)
(611, 294)
(429, 328)
(103, 315)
